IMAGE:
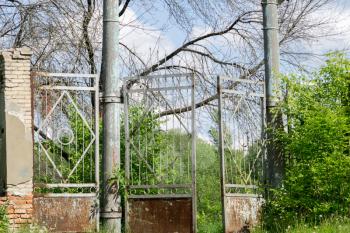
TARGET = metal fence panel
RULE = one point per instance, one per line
(241, 147)
(160, 148)
(66, 123)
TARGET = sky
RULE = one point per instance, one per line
(171, 38)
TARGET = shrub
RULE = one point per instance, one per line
(3, 218)
(316, 148)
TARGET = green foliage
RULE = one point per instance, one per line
(3, 218)
(316, 146)
(238, 163)
(65, 156)
(332, 225)
(208, 187)
(148, 141)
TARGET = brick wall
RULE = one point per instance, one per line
(19, 209)
(16, 136)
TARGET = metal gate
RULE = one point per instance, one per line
(241, 148)
(66, 161)
(160, 154)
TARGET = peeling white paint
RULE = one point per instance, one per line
(13, 109)
(22, 189)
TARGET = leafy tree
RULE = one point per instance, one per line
(316, 147)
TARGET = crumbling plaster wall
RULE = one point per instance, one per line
(16, 140)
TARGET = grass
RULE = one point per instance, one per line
(335, 225)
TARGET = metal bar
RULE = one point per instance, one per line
(242, 93)
(194, 160)
(51, 111)
(159, 89)
(68, 88)
(66, 195)
(81, 157)
(139, 155)
(243, 195)
(133, 78)
(221, 153)
(127, 156)
(97, 148)
(65, 75)
(241, 186)
(242, 80)
(263, 145)
(160, 196)
(82, 116)
(51, 161)
(41, 185)
(161, 186)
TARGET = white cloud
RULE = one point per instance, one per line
(142, 38)
(341, 29)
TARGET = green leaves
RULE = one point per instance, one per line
(316, 147)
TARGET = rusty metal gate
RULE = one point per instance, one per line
(66, 161)
(160, 154)
(241, 147)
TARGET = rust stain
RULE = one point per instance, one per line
(65, 214)
(242, 213)
(160, 215)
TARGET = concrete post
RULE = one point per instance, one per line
(16, 136)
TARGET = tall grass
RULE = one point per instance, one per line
(332, 225)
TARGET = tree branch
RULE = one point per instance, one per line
(86, 21)
(215, 59)
(192, 42)
(126, 4)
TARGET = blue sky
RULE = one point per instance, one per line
(171, 37)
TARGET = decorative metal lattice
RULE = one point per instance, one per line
(66, 111)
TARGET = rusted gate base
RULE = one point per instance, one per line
(160, 215)
(242, 213)
(65, 214)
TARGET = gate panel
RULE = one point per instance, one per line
(161, 215)
(160, 153)
(66, 161)
(241, 147)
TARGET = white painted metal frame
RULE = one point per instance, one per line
(127, 91)
(94, 142)
(240, 96)
(94, 132)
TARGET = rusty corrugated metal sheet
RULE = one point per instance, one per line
(160, 215)
(242, 213)
(65, 214)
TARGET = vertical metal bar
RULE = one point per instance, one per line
(263, 145)
(194, 161)
(97, 150)
(127, 157)
(221, 153)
